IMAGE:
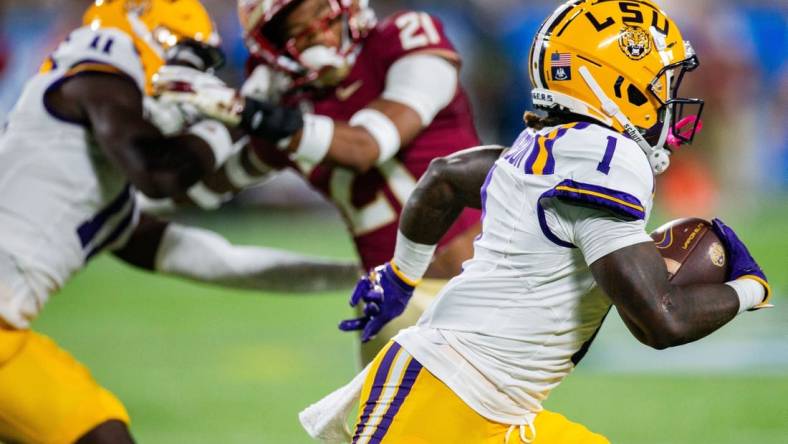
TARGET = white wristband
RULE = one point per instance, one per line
(750, 292)
(315, 138)
(238, 176)
(412, 259)
(216, 135)
(205, 197)
(382, 130)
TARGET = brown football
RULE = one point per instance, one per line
(692, 252)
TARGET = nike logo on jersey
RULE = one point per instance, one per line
(346, 92)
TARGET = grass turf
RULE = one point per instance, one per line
(196, 364)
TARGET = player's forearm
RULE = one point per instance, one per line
(167, 167)
(372, 136)
(657, 312)
(326, 140)
(692, 312)
(204, 256)
(353, 148)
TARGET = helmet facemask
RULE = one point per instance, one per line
(682, 114)
(197, 55)
(306, 63)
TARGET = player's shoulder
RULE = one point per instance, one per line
(87, 41)
(597, 166)
(390, 22)
(103, 49)
(410, 31)
(587, 145)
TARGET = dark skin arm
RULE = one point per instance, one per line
(658, 313)
(141, 248)
(450, 185)
(111, 107)
(355, 148)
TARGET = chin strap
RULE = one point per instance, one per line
(658, 157)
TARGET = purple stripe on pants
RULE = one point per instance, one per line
(404, 389)
(377, 388)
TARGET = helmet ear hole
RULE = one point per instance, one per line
(635, 97)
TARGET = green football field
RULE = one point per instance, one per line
(196, 364)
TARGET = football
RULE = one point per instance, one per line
(692, 251)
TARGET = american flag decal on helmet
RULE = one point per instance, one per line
(561, 66)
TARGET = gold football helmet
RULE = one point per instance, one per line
(157, 27)
(621, 63)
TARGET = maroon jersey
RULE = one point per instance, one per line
(371, 202)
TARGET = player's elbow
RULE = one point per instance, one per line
(438, 173)
(663, 331)
(659, 342)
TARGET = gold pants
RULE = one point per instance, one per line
(403, 403)
(46, 396)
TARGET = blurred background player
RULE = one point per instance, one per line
(75, 148)
(359, 109)
(564, 238)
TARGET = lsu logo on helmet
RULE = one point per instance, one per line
(635, 42)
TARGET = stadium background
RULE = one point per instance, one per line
(196, 364)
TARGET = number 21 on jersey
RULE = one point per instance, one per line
(416, 30)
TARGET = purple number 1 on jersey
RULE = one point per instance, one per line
(604, 165)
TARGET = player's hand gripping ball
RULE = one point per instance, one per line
(385, 297)
(700, 252)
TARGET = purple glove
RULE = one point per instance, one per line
(740, 262)
(385, 297)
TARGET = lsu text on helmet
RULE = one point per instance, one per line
(156, 26)
(300, 54)
(621, 63)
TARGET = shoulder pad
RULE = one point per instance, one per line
(103, 49)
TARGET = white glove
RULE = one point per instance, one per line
(170, 118)
(206, 92)
(266, 84)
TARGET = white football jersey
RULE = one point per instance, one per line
(61, 200)
(509, 328)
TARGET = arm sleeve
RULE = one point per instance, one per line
(204, 256)
(427, 83)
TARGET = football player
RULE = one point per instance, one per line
(563, 240)
(75, 149)
(357, 107)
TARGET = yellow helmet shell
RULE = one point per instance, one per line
(624, 45)
(154, 25)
